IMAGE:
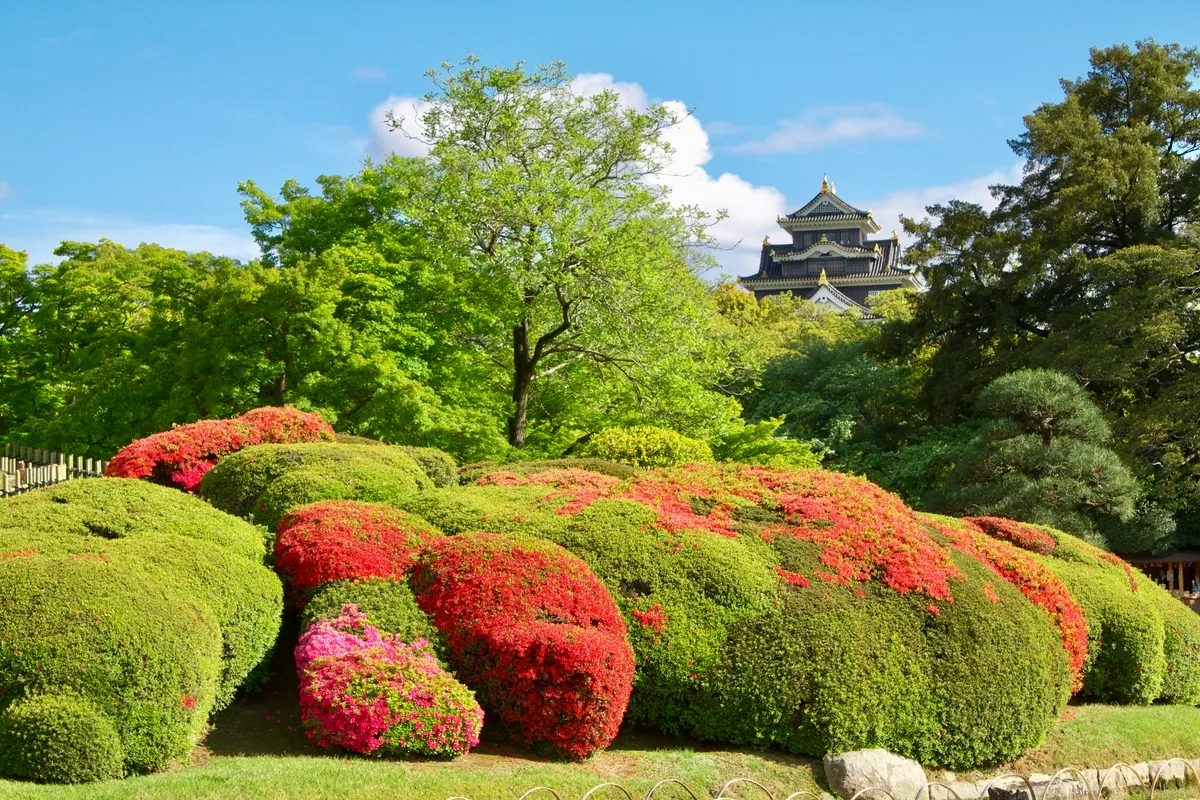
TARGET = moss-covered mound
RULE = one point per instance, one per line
(807, 610)
(263, 483)
(133, 610)
(1144, 645)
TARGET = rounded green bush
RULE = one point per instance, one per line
(647, 446)
(1181, 644)
(389, 605)
(438, 465)
(738, 638)
(216, 557)
(58, 738)
(470, 473)
(1126, 632)
(137, 598)
(264, 482)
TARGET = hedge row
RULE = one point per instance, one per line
(127, 610)
(1144, 643)
(807, 610)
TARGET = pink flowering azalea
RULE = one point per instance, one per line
(370, 692)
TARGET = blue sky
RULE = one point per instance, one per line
(136, 121)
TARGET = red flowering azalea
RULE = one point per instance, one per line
(1022, 534)
(337, 540)
(181, 456)
(535, 633)
(1032, 579)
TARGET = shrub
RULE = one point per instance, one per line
(1181, 645)
(438, 465)
(647, 446)
(182, 455)
(471, 473)
(806, 610)
(60, 739)
(263, 483)
(371, 692)
(1029, 576)
(386, 605)
(532, 629)
(144, 603)
(215, 557)
(1126, 632)
(338, 540)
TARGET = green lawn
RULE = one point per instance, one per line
(256, 750)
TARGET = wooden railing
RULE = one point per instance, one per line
(24, 468)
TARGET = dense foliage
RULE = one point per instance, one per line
(131, 609)
(802, 609)
(646, 446)
(374, 693)
(265, 482)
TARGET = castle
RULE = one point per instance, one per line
(829, 259)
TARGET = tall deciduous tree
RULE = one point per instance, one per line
(538, 199)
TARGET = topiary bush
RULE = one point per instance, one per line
(438, 465)
(801, 609)
(339, 540)
(147, 604)
(647, 446)
(1126, 650)
(373, 693)
(182, 456)
(535, 633)
(59, 739)
(386, 604)
(263, 483)
(471, 473)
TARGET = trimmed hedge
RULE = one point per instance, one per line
(471, 473)
(145, 603)
(438, 465)
(59, 739)
(1127, 660)
(265, 482)
(181, 456)
(807, 610)
(387, 605)
(647, 446)
(530, 627)
(374, 693)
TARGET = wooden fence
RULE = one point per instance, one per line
(24, 468)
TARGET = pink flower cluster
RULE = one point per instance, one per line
(370, 692)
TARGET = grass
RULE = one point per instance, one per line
(257, 750)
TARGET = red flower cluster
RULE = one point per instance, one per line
(1033, 580)
(653, 617)
(1022, 534)
(342, 539)
(535, 633)
(182, 455)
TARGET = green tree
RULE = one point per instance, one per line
(1042, 457)
(537, 199)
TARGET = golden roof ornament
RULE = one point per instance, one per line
(877, 247)
(823, 280)
(832, 188)
(824, 183)
(766, 240)
(895, 236)
(824, 239)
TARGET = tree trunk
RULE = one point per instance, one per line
(522, 379)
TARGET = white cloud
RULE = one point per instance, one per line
(40, 231)
(912, 202)
(368, 74)
(410, 139)
(7, 192)
(821, 126)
